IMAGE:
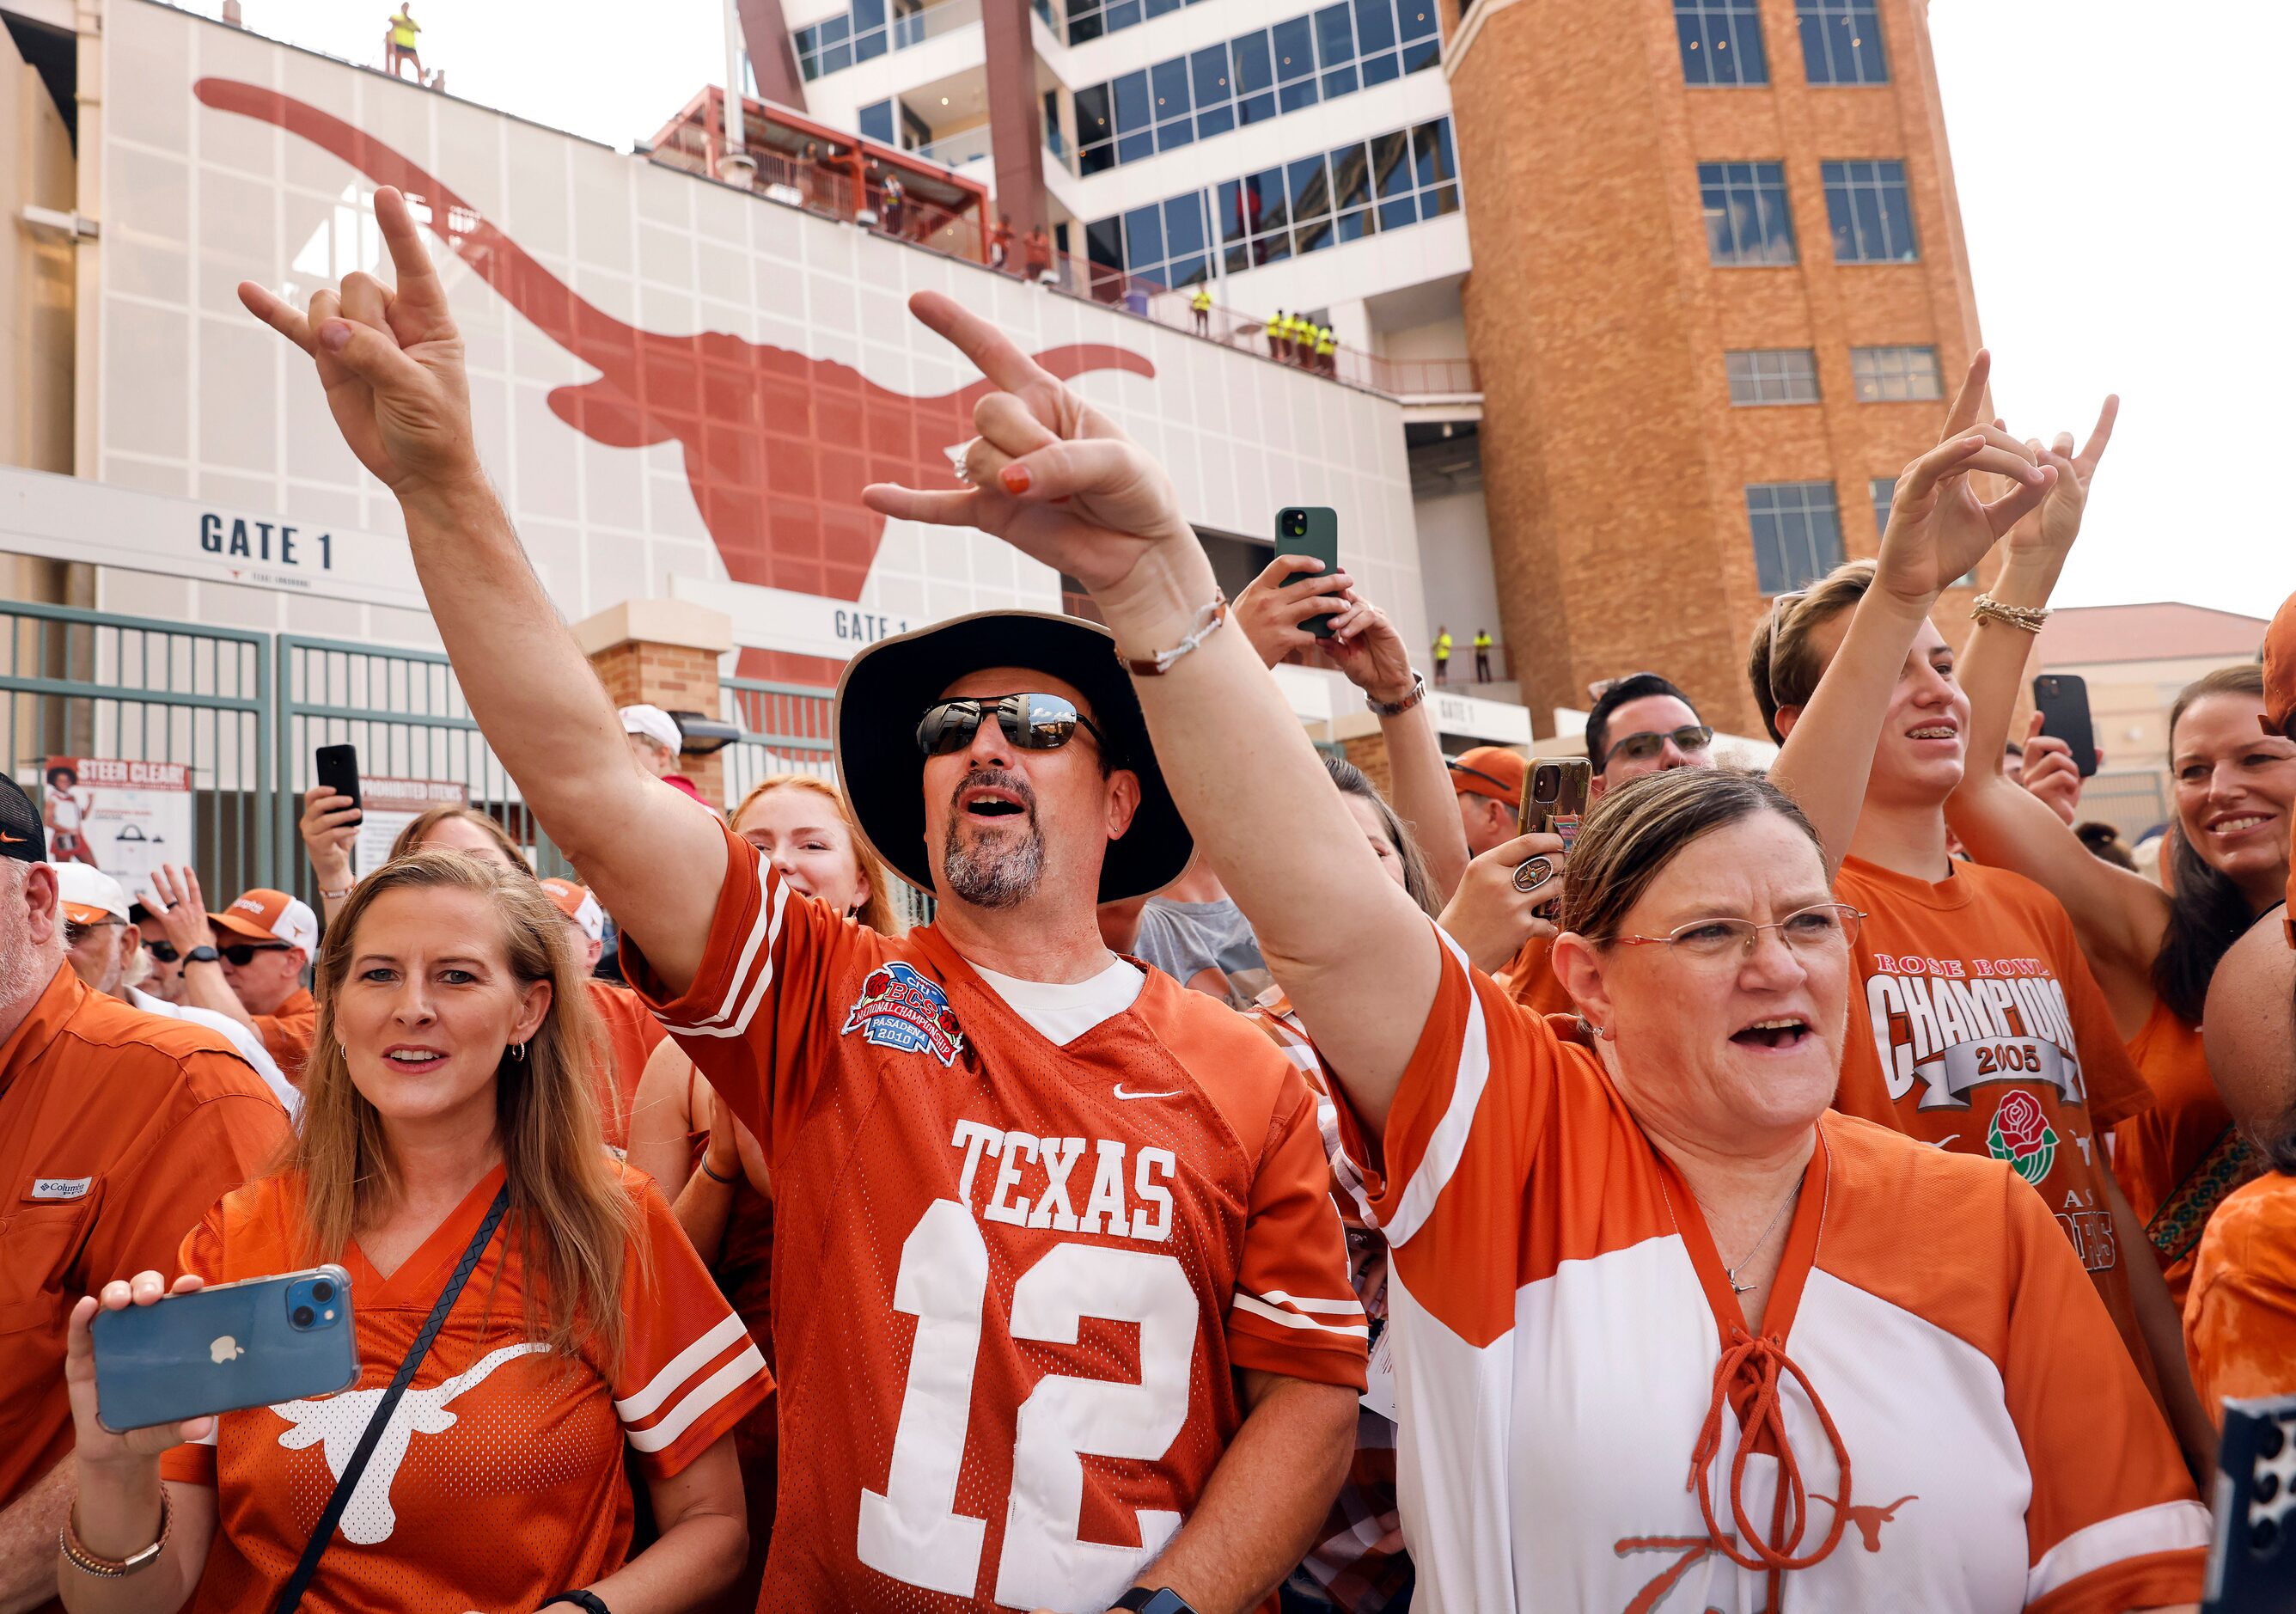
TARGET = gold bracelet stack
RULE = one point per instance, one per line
(113, 1568)
(2030, 618)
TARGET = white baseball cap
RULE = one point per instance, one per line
(656, 724)
(89, 895)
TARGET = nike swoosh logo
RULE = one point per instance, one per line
(13, 840)
(1120, 1093)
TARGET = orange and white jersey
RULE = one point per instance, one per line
(1012, 1278)
(499, 1479)
(1558, 1313)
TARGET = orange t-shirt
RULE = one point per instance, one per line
(1528, 978)
(288, 1034)
(117, 1130)
(634, 1034)
(2177, 1160)
(2240, 1322)
(1977, 1026)
(1012, 1278)
(499, 1479)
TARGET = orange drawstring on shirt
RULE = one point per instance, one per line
(1746, 1381)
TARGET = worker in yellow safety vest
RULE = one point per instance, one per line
(399, 44)
(1327, 348)
(1442, 655)
(1279, 335)
(1303, 340)
(1201, 305)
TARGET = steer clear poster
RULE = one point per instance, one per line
(126, 818)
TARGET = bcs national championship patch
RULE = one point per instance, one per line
(899, 1008)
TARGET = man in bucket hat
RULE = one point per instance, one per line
(1032, 1204)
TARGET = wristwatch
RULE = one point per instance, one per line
(588, 1602)
(203, 955)
(1154, 1599)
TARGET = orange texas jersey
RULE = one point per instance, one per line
(2177, 1160)
(632, 1034)
(1558, 1311)
(1012, 1280)
(2240, 1322)
(1528, 978)
(499, 1479)
(1976, 1027)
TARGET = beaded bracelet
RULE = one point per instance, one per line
(1986, 608)
(113, 1568)
(1157, 665)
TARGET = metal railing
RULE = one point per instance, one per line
(83, 685)
(955, 151)
(784, 730)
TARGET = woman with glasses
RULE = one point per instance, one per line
(1645, 1253)
(1975, 1024)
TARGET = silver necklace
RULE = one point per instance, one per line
(1730, 1268)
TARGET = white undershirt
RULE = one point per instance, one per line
(1063, 1010)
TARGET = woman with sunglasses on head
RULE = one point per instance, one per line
(2154, 951)
(1975, 1024)
(708, 1163)
(1647, 1248)
(449, 1137)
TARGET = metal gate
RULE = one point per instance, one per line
(85, 683)
(405, 711)
(784, 730)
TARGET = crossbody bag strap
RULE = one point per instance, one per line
(291, 1593)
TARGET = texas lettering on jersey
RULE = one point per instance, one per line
(1954, 1025)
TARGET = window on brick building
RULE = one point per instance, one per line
(1895, 375)
(1721, 42)
(1746, 217)
(1841, 42)
(1871, 212)
(1772, 375)
(1797, 532)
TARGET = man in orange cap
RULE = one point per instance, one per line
(1487, 780)
(246, 962)
(118, 1130)
(630, 1027)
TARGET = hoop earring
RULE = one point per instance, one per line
(517, 1052)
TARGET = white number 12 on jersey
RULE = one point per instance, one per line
(913, 1532)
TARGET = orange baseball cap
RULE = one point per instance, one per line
(577, 905)
(264, 914)
(1488, 770)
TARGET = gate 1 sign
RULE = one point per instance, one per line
(390, 805)
(126, 818)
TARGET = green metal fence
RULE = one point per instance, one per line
(404, 712)
(81, 684)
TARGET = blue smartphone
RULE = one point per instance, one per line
(218, 1350)
(1310, 530)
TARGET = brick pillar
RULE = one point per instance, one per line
(664, 653)
(1369, 753)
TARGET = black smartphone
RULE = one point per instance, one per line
(256, 1343)
(338, 769)
(2063, 700)
(2252, 1550)
(1310, 530)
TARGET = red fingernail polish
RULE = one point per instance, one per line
(1015, 478)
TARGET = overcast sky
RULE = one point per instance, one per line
(2125, 185)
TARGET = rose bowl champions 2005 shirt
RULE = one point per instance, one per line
(1976, 1027)
(1013, 1279)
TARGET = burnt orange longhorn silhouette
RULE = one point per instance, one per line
(1868, 1519)
(778, 445)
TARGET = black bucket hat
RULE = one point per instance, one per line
(887, 687)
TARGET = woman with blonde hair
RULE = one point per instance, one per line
(709, 1163)
(449, 1160)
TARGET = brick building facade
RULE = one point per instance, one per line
(1616, 464)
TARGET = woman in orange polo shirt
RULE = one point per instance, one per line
(2152, 950)
(1976, 1024)
(451, 1067)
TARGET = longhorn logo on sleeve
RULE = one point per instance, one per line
(335, 1423)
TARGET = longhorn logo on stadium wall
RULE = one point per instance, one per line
(778, 445)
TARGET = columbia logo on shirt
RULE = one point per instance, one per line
(61, 1188)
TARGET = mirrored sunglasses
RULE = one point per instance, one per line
(1032, 722)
